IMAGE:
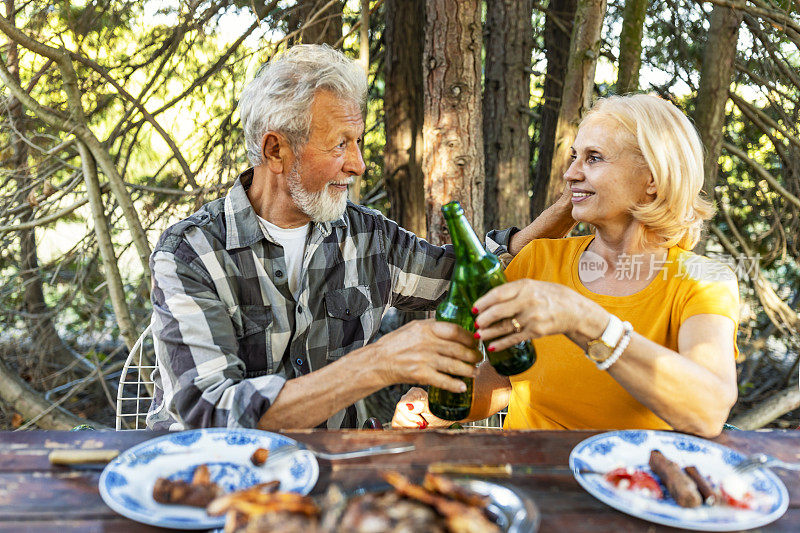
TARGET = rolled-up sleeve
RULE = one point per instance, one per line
(497, 241)
(201, 376)
(421, 271)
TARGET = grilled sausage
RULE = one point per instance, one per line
(706, 491)
(682, 488)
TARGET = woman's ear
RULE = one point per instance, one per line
(271, 150)
(651, 185)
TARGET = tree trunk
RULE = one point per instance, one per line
(363, 36)
(37, 319)
(765, 412)
(506, 97)
(630, 47)
(577, 93)
(316, 22)
(29, 403)
(402, 106)
(557, 34)
(715, 81)
(116, 291)
(354, 192)
(452, 132)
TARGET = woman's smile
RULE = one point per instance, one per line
(579, 195)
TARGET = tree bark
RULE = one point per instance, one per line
(116, 291)
(452, 132)
(630, 47)
(354, 192)
(577, 93)
(715, 81)
(37, 320)
(363, 36)
(557, 34)
(765, 412)
(403, 100)
(506, 118)
(29, 403)
(317, 22)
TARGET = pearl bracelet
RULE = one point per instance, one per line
(623, 343)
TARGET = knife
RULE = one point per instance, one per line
(87, 458)
(502, 470)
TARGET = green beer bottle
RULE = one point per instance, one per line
(476, 272)
(443, 403)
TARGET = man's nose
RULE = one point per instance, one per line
(354, 161)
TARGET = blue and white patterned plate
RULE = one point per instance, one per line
(126, 484)
(608, 451)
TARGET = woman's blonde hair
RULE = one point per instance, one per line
(670, 146)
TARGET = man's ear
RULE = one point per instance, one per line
(271, 146)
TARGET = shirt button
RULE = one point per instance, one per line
(299, 361)
(278, 274)
(347, 312)
(299, 309)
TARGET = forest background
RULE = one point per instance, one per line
(119, 118)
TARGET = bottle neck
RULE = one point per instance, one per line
(466, 243)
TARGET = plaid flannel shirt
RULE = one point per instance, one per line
(228, 333)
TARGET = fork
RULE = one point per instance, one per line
(761, 459)
(285, 451)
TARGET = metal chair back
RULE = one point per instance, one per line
(135, 391)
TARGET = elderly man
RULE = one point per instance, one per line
(264, 302)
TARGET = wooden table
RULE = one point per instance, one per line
(35, 496)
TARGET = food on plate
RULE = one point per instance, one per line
(197, 493)
(202, 476)
(259, 456)
(733, 492)
(446, 487)
(682, 488)
(459, 517)
(687, 486)
(636, 480)
(438, 506)
(255, 493)
(261, 508)
(705, 488)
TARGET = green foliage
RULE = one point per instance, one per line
(177, 60)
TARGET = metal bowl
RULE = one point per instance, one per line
(509, 507)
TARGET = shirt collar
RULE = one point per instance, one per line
(241, 224)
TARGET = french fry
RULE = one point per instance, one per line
(254, 502)
(201, 476)
(445, 486)
(460, 518)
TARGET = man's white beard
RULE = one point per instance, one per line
(321, 206)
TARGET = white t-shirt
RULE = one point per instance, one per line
(293, 241)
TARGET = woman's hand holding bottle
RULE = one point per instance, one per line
(412, 412)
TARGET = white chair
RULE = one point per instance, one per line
(493, 422)
(135, 391)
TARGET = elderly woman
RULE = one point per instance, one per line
(631, 329)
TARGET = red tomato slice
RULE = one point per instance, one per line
(637, 480)
(733, 502)
(617, 475)
(643, 480)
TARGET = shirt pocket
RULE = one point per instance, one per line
(350, 320)
(253, 331)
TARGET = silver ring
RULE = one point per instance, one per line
(516, 324)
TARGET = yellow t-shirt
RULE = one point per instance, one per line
(564, 389)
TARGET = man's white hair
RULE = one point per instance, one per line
(279, 98)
